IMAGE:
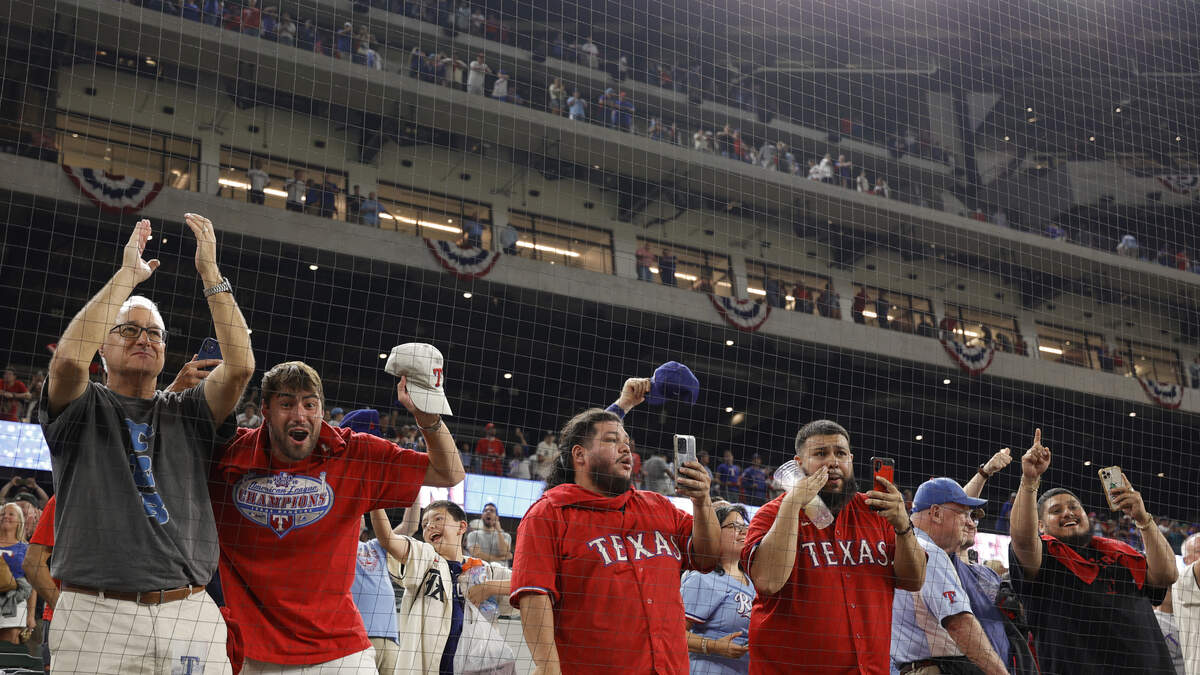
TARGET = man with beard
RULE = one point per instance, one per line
(824, 600)
(593, 551)
(288, 498)
(1089, 599)
(935, 631)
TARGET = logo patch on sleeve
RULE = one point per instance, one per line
(283, 502)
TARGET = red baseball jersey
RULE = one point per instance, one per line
(611, 567)
(289, 536)
(44, 535)
(834, 614)
(491, 450)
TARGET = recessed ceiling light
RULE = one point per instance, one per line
(1088, 463)
(1161, 475)
(1092, 139)
(946, 381)
(729, 409)
(164, 240)
(729, 343)
(467, 295)
(313, 268)
(1133, 414)
(383, 356)
(1006, 138)
(920, 437)
(508, 376)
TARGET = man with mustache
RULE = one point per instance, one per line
(1089, 599)
(289, 498)
(824, 601)
(594, 550)
(136, 542)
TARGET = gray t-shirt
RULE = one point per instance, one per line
(131, 476)
(486, 541)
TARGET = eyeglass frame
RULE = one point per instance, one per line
(141, 329)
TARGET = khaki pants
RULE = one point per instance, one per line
(102, 636)
(387, 654)
(358, 663)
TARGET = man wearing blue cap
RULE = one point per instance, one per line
(934, 630)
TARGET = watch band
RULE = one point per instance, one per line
(223, 287)
(982, 472)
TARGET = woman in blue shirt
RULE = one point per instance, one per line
(12, 547)
(717, 605)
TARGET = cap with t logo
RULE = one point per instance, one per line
(422, 364)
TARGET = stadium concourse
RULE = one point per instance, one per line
(453, 336)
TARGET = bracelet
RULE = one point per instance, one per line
(433, 427)
(1149, 523)
(1031, 488)
(981, 472)
(704, 644)
(900, 533)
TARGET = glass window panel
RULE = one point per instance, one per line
(1000, 329)
(798, 289)
(1072, 346)
(1143, 360)
(906, 313)
(430, 215)
(561, 242)
(695, 268)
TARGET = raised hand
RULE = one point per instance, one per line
(998, 461)
(634, 392)
(206, 243)
(192, 372)
(135, 248)
(1036, 459)
(1130, 501)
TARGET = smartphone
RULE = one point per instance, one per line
(973, 556)
(883, 467)
(209, 349)
(1112, 478)
(685, 450)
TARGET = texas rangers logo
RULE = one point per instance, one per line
(283, 502)
(949, 595)
(744, 603)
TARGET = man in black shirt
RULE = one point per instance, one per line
(1089, 599)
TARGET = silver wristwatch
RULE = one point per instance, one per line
(223, 287)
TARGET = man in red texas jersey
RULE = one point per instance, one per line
(824, 601)
(597, 558)
(288, 498)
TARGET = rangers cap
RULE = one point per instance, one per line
(422, 364)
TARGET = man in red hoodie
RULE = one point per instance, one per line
(594, 548)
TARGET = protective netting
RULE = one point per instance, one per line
(940, 225)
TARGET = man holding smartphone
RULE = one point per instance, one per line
(1089, 599)
(593, 548)
(824, 601)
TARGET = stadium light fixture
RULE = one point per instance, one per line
(728, 408)
(559, 251)
(383, 356)
(1088, 463)
(1050, 350)
(1161, 475)
(508, 376)
(946, 381)
(467, 295)
(1132, 414)
(313, 268)
(729, 343)
(920, 437)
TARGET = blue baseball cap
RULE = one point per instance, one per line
(365, 421)
(673, 380)
(942, 491)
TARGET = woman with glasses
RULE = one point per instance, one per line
(717, 605)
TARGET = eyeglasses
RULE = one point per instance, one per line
(132, 331)
(738, 528)
(975, 514)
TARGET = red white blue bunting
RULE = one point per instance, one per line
(465, 262)
(112, 193)
(1180, 184)
(973, 357)
(1166, 394)
(747, 315)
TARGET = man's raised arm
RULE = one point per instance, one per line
(69, 367)
(1023, 521)
(227, 382)
(775, 556)
(445, 464)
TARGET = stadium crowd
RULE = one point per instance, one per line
(264, 545)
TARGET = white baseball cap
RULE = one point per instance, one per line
(422, 364)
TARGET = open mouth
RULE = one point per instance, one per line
(1069, 523)
(299, 435)
(434, 538)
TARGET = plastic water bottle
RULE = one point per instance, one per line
(785, 478)
(490, 607)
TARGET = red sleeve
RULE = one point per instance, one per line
(535, 564)
(759, 526)
(44, 534)
(394, 475)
